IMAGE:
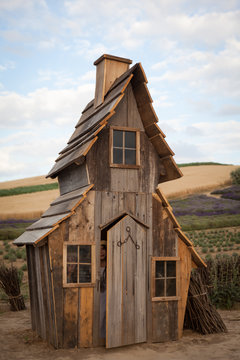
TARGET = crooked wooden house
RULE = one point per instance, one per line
(109, 175)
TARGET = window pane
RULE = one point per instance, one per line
(117, 156)
(159, 288)
(117, 138)
(71, 273)
(171, 269)
(85, 254)
(130, 157)
(130, 139)
(84, 273)
(72, 253)
(171, 287)
(159, 269)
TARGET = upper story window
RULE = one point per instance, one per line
(164, 278)
(125, 147)
(78, 264)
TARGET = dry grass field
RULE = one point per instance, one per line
(198, 179)
(30, 206)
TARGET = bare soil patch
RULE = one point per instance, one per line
(18, 342)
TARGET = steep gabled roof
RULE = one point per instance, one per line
(93, 120)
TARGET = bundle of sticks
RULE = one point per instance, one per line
(10, 283)
(201, 315)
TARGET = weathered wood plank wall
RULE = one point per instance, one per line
(106, 178)
(165, 313)
(41, 293)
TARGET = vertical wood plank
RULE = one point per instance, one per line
(184, 279)
(55, 241)
(160, 321)
(32, 286)
(96, 289)
(157, 228)
(70, 318)
(85, 318)
(114, 289)
(45, 292)
(128, 272)
(39, 284)
(140, 295)
(173, 320)
(149, 206)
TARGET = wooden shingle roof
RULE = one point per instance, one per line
(60, 209)
(93, 120)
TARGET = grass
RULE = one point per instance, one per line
(199, 164)
(27, 189)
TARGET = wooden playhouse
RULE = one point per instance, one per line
(108, 177)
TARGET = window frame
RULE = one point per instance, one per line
(93, 265)
(153, 278)
(125, 166)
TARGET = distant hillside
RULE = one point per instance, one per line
(31, 206)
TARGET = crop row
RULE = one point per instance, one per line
(217, 240)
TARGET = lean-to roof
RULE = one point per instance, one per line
(59, 210)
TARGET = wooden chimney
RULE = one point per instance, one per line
(109, 68)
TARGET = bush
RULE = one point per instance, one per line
(24, 267)
(223, 274)
(235, 176)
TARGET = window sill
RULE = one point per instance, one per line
(123, 166)
(73, 285)
(167, 298)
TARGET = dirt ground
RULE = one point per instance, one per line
(18, 342)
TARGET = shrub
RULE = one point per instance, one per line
(24, 267)
(223, 280)
(12, 257)
(235, 176)
(18, 254)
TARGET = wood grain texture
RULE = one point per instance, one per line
(126, 303)
(55, 242)
(70, 318)
(40, 296)
(114, 289)
(81, 224)
(165, 321)
(73, 178)
(32, 287)
(185, 267)
(85, 330)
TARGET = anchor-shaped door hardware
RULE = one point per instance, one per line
(120, 242)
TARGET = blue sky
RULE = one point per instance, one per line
(190, 51)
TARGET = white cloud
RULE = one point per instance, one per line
(43, 105)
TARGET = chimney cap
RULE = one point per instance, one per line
(112, 57)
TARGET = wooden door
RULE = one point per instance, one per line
(126, 284)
